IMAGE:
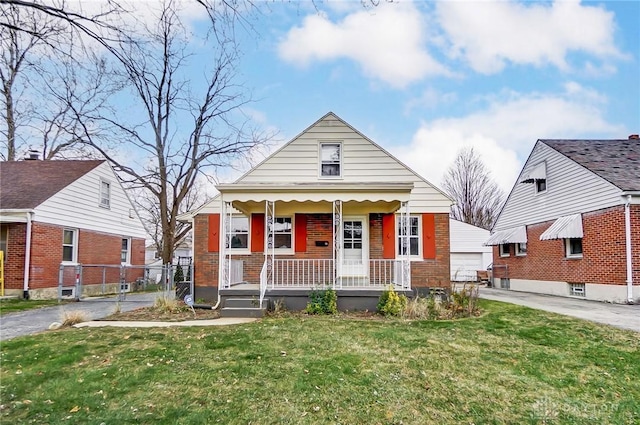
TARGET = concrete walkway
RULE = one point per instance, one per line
(139, 324)
(618, 315)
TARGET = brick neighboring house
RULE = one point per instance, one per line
(330, 209)
(63, 212)
(571, 224)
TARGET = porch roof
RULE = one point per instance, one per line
(316, 192)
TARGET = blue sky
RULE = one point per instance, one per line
(423, 79)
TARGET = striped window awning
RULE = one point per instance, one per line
(539, 172)
(567, 227)
(513, 235)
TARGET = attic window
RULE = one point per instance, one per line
(538, 176)
(330, 159)
(105, 194)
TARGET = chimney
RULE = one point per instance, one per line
(634, 137)
(34, 155)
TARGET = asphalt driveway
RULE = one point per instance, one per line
(618, 315)
(33, 321)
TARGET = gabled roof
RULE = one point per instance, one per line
(617, 161)
(27, 184)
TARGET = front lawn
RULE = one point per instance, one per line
(513, 365)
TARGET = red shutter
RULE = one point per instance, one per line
(301, 233)
(428, 236)
(257, 232)
(214, 232)
(389, 236)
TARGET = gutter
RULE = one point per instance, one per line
(27, 257)
(627, 229)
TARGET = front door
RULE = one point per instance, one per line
(355, 246)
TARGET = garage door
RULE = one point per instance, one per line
(465, 265)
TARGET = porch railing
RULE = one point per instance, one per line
(235, 272)
(319, 273)
(263, 282)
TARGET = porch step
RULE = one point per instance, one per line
(244, 307)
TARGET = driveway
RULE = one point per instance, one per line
(618, 315)
(33, 321)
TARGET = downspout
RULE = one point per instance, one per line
(627, 231)
(27, 258)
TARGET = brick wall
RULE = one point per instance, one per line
(435, 272)
(319, 228)
(14, 262)
(603, 258)
(46, 255)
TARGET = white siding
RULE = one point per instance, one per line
(362, 161)
(468, 254)
(77, 206)
(571, 189)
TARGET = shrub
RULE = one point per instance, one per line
(166, 304)
(392, 304)
(71, 318)
(422, 308)
(322, 302)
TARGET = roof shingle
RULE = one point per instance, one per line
(617, 161)
(26, 184)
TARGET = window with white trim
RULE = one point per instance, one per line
(573, 247)
(239, 233)
(125, 251)
(70, 245)
(330, 159)
(503, 249)
(521, 249)
(413, 239)
(541, 185)
(283, 233)
(105, 194)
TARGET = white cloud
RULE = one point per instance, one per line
(504, 133)
(489, 34)
(388, 42)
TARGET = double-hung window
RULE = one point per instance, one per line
(105, 194)
(239, 233)
(125, 251)
(70, 245)
(330, 159)
(283, 233)
(573, 247)
(412, 242)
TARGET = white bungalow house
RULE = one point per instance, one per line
(330, 209)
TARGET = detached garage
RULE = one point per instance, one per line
(468, 254)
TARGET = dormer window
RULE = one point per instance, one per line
(330, 159)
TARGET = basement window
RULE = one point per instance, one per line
(577, 289)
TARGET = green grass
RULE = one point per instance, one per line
(512, 365)
(11, 305)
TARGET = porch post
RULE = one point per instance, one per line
(223, 272)
(228, 209)
(337, 244)
(406, 264)
(269, 234)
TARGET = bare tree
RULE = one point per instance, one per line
(180, 131)
(477, 197)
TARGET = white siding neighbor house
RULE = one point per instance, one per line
(571, 224)
(63, 212)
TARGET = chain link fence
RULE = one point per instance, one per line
(101, 280)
